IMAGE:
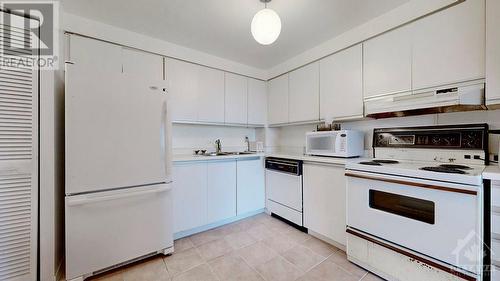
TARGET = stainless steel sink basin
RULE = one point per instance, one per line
(216, 154)
(228, 153)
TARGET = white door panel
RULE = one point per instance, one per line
(115, 123)
(221, 190)
(190, 196)
(387, 62)
(236, 99)
(341, 87)
(250, 186)
(257, 102)
(304, 94)
(449, 46)
(277, 98)
(324, 200)
(108, 228)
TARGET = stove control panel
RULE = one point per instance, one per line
(444, 137)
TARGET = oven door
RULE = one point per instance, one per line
(436, 219)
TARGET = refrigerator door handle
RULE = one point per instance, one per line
(83, 200)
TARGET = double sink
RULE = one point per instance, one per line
(228, 153)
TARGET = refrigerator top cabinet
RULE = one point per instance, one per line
(122, 141)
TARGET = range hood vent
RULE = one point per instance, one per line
(466, 96)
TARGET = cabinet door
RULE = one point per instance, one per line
(235, 99)
(221, 203)
(182, 79)
(211, 95)
(387, 63)
(142, 65)
(341, 91)
(250, 186)
(278, 100)
(324, 201)
(304, 94)
(449, 46)
(492, 51)
(189, 196)
(257, 102)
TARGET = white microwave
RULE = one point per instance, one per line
(344, 143)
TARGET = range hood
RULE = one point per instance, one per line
(465, 96)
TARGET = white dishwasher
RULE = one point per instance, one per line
(284, 189)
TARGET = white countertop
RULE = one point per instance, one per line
(285, 155)
(492, 172)
(307, 158)
(191, 157)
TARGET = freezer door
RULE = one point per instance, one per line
(116, 123)
(107, 228)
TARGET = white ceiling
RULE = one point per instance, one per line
(222, 28)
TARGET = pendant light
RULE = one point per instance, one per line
(266, 25)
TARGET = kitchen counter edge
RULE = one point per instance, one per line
(492, 172)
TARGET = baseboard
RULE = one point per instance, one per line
(327, 240)
(199, 229)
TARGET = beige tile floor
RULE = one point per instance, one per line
(254, 249)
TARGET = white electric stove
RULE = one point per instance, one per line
(420, 198)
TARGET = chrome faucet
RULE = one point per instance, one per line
(218, 146)
(247, 141)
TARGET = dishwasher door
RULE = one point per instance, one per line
(285, 189)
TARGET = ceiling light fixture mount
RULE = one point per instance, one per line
(266, 25)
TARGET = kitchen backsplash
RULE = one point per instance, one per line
(186, 138)
(292, 138)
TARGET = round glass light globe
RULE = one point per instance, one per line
(266, 26)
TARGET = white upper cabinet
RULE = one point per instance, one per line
(182, 79)
(448, 46)
(304, 94)
(278, 100)
(341, 86)
(143, 65)
(236, 99)
(210, 95)
(257, 102)
(492, 52)
(387, 63)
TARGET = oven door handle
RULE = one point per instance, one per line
(414, 184)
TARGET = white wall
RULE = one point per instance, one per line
(186, 138)
(292, 138)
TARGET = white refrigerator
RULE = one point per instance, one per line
(118, 161)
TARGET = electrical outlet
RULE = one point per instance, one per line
(467, 156)
(477, 157)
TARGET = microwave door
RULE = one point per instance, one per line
(321, 144)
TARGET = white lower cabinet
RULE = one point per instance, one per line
(324, 200)
(221, 190)
(250, 192)
(189, 195)
(208, 192)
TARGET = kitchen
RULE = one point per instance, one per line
(264, 140)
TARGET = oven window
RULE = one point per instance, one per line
(409, 207)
